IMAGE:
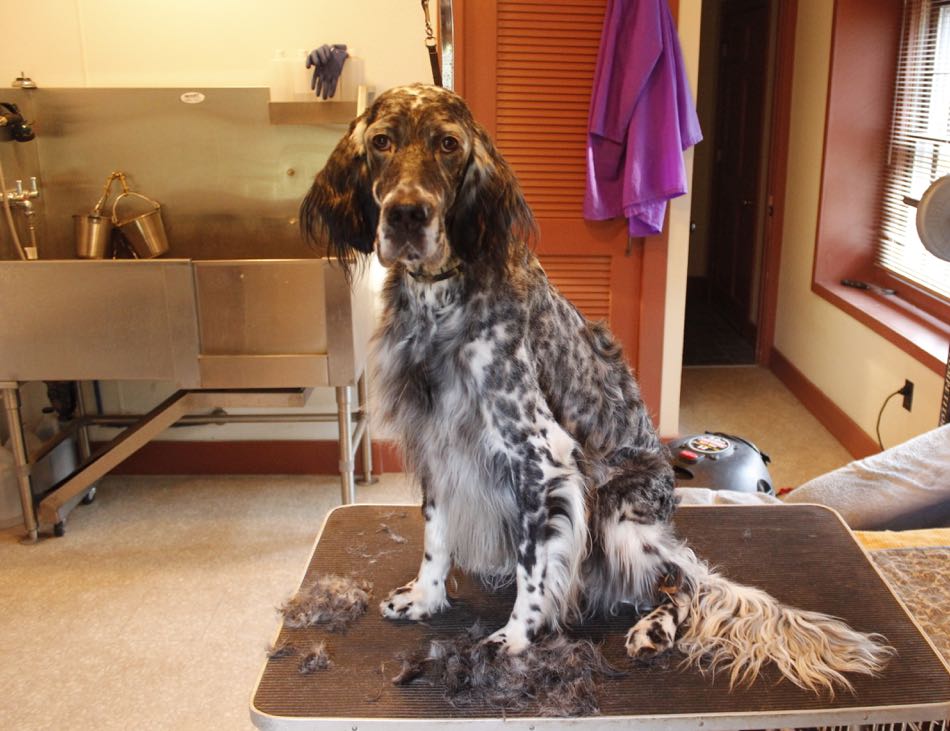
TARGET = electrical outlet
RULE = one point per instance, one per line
(908, 393)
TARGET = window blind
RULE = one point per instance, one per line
(919, 151)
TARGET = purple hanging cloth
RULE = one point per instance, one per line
(642, 117)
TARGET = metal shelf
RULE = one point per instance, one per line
(311, 112)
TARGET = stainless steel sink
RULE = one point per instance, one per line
(218, 321)
(224, 331)
(250, 323)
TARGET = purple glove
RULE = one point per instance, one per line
(327, 63)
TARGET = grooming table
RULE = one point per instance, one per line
(802, 554)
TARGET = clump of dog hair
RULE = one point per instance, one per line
(393, 535)
(317, 659)
(332, 602)
(284, 648)
(555, 676)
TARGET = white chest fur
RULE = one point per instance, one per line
(450, 441)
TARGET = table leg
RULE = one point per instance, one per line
(11, 404)
(347, 462)
(84, 448)
(366, 445)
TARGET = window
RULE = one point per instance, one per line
(860, 120)
(919, 149)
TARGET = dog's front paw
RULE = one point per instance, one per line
(510, 639)
(414, 601)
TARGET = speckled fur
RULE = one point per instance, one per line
(536, 456)
(556, 676)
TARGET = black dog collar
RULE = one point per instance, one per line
(440, 277)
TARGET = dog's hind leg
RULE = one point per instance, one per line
(425, 595)
(717, 624)
(635, 556)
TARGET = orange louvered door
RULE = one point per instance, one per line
(526, 68)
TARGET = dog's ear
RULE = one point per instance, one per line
(339, 211)
(489, 214)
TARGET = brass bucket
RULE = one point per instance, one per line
(93, 231)
(144, 232)
(93, 236)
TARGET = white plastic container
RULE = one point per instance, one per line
(47, 472)
(58, 463)
(350, 80)
(281, 81)
(11, 512)
(300, 77)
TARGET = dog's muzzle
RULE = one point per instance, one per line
(407, 220)
(408, 231)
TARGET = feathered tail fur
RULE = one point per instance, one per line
(738, 629)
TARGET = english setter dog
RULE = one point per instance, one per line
(537, 459)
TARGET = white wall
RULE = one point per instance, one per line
(852, 365)
(202, 42)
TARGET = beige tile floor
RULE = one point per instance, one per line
(155, 609)
(153, 612)
(752, 403)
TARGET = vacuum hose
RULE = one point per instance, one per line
(9, 215)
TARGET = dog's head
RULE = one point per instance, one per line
(418, 180)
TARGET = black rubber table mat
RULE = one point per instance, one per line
(804, 555)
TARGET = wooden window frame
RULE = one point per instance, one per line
(864, 48)
(906, 105)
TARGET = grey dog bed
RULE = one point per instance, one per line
(904, 487)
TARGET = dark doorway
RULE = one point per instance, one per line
(730, 201)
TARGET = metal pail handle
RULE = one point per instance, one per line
(128, 193)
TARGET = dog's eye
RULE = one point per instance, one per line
(449, 144)
(382, 142)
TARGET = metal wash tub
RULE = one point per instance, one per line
(226, 333)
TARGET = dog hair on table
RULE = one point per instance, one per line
(555, 676)
(281, 649)
(331, 601)
(316, 659)
(393, 535)
(537, 459)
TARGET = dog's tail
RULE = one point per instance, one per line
(738, 629)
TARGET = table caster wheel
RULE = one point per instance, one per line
(59, 530)
(90, 496)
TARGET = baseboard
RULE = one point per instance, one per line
(841, 426)
(284, 457)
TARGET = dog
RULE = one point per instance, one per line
(537, 459)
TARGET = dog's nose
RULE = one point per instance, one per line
(407, 218)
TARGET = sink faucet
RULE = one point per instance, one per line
(21, 198)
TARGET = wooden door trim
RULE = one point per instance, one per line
(649, 370)
(652, 326)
